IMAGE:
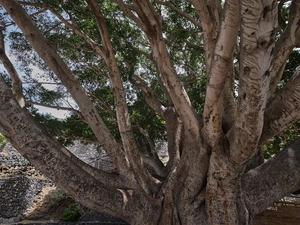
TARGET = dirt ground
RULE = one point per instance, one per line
(48, 206)
(283, 213)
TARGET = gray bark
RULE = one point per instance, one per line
(210, 178)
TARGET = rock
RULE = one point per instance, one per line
(9, 220)
(4, 167)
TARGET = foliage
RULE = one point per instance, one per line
(2, 141)
(57, 196)
(71, 213)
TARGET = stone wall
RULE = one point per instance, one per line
(17, 194)
(20, 182)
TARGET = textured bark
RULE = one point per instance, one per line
(213, 176)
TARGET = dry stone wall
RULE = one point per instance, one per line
(20, 182)
(17, 194)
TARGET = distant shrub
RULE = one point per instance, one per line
(2, 141)
(71, 213)
(57, 196)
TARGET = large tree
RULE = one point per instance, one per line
(206, 75)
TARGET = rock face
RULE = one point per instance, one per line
(20, 182)
(17, 194)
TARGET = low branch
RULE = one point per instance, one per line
(272, 180)
(43, 151)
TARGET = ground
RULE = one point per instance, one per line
(281, 213)
(48, 205)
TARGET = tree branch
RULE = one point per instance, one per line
(279, 114)
(258, 33)
(275, 178)
(58, 108)
(221, 67)
(146, 181)
(152, 22)
(91, 187)
(209, 13)
(77, 31)
(178, 11)
(111, 112)
(16, 80)
(288, 40)
(57, 65)
(149, 95)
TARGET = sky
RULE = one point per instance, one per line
(35, 71)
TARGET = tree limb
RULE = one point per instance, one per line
(275, 178)
(209, 13)
(146, 181)
(149, 95)
(152, 22)
(57, 65)
(221, 67)
(16, 80)
(51, 157)
(288, 40)
(179, 12)
(77, 31)
(258, 33)
(279, 114)
(58, 108)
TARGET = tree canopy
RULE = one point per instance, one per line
(217, 80)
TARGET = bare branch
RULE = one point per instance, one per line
(149, 95)
(178, 11)
(16, 80)
(58, 108)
